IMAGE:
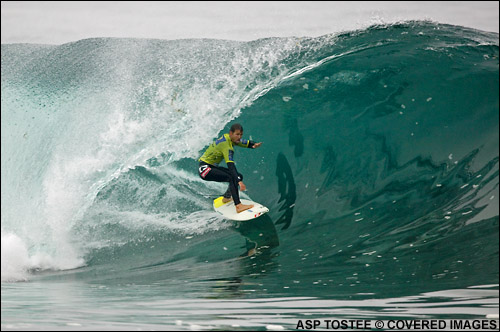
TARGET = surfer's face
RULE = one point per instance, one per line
(236, 136)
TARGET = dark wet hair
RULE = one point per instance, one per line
(235, 127)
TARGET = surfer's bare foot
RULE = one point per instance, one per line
(241, 207)
(226, 200)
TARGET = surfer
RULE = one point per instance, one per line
(223, 149)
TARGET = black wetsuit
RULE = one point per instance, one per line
(210, 171)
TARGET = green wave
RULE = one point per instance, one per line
(379, 160)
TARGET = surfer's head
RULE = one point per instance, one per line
(236, 132)
(235, 127)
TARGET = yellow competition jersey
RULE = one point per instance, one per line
(221, 149)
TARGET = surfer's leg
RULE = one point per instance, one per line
(220, 174)
(227, 195)
(233, 188)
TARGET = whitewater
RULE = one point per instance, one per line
(379, 165)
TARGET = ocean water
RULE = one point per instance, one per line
(379, 165)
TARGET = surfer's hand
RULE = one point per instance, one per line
(242, 186)
(256, 145)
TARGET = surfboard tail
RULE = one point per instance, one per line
(218, 202)
(228, 210)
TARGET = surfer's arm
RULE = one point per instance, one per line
(232, 169)
(249, 144)
(229, 159)
(234, 173)
(255, 145)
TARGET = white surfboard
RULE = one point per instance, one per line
(228, 210)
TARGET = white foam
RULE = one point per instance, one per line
(17, 261)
